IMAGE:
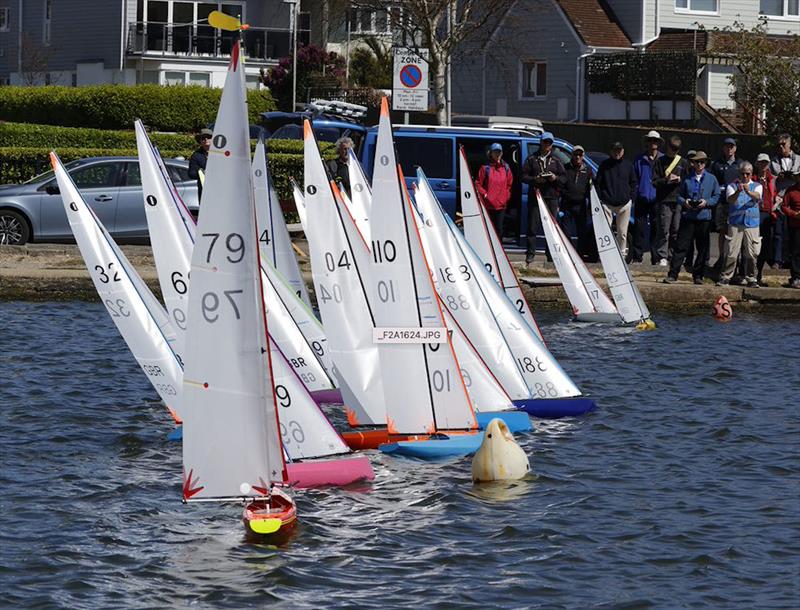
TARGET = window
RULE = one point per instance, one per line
(201, 79)
(174, 78)
(434, 155)
(533, 79)
(372, 22)
(46, 27)
(4, 14)
(95, 176)
(697, 6)
(780, 8)
(178, 173)
(133, 176)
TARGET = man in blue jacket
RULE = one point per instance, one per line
(644, 166)
(698, 194)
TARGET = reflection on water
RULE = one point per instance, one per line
(681, 490)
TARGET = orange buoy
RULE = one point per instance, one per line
(722, 309)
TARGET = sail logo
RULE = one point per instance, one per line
(409, 335)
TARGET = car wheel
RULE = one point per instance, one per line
(14, 230)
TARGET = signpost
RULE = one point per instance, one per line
(410, 85)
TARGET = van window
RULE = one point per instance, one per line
(561, 154)
(433, 155)
(477, 152)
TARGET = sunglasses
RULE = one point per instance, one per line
(746, 173)
(577, 154)
(783, 143)
(699, 161)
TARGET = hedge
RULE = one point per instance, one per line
(38, 136)
(176, 108)
(18, 164)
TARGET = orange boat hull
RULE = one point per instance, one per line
(278, 507)
(371, 439)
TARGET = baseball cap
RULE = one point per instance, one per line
(763, 157)
(546, 136)
(496, 146)
(578, 148)
(653, 135)
(729, 141)
(617, 146)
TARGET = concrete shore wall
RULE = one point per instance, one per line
(52, 272)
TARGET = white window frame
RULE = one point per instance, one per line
(171, 12)
(4, 26)
(689, 11)
(355, 24)
(521, 94)
(47, 14)
(784, 16)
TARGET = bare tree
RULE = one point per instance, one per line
(35, 61)
(440, 26)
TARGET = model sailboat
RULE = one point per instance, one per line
(231, 444)
(589, 302)
(623, 289)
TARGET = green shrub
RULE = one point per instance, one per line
(18, 164)
(116, 106)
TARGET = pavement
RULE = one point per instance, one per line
(56, 272)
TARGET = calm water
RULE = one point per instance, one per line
(683, 490)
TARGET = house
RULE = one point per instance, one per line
(538, 54)
(86, 42)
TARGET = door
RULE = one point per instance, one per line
(97, 183)
(436, 155)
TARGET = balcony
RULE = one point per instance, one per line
(201, 41)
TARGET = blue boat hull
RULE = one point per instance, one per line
(553, 408)
(453, 446)
(176, 434)
(517, 421)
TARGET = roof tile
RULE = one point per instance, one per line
(595, 23)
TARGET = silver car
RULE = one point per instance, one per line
(111, 186)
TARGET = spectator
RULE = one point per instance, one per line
(769, 216)
(791, 208)
(575, 185)
(725, 170)
(697, 195)
(744, 197)
(616, 189)
(541, 171)
(199, 158)
(782, 167)
(339, 168)
(644, 165)
(494, 184)
(670, 171)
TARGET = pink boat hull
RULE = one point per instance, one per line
(337, 472)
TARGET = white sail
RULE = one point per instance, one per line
(360, 199)
(273, 238)
(623, 290)
(171, 237)
(340, 294)
(231, 442)
(481, 235)
(305, 431)
(570, 278)
(139, 317)
(488, 318)
(430, 394)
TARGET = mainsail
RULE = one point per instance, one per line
(623, 290)
(231, 442)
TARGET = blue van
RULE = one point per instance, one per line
(435, 150)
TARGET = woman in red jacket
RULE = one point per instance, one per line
(791, 208)
(494, 185)
(768, 213)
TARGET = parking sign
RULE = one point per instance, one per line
(410, 85)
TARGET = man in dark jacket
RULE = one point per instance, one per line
(541, 171)
(575, 184)
(644, 207)
(668, 174)
(616, 189)
(339, 167)
(197, 162)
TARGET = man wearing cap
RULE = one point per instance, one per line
(575, 185)
(744, 198)
(726, 171)
(669, 172)
(542, 171)
(698, 194)
(644, 165)
(494, 185)
(616, 189)
(199, 158)
(769, 216)
(791, 208)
